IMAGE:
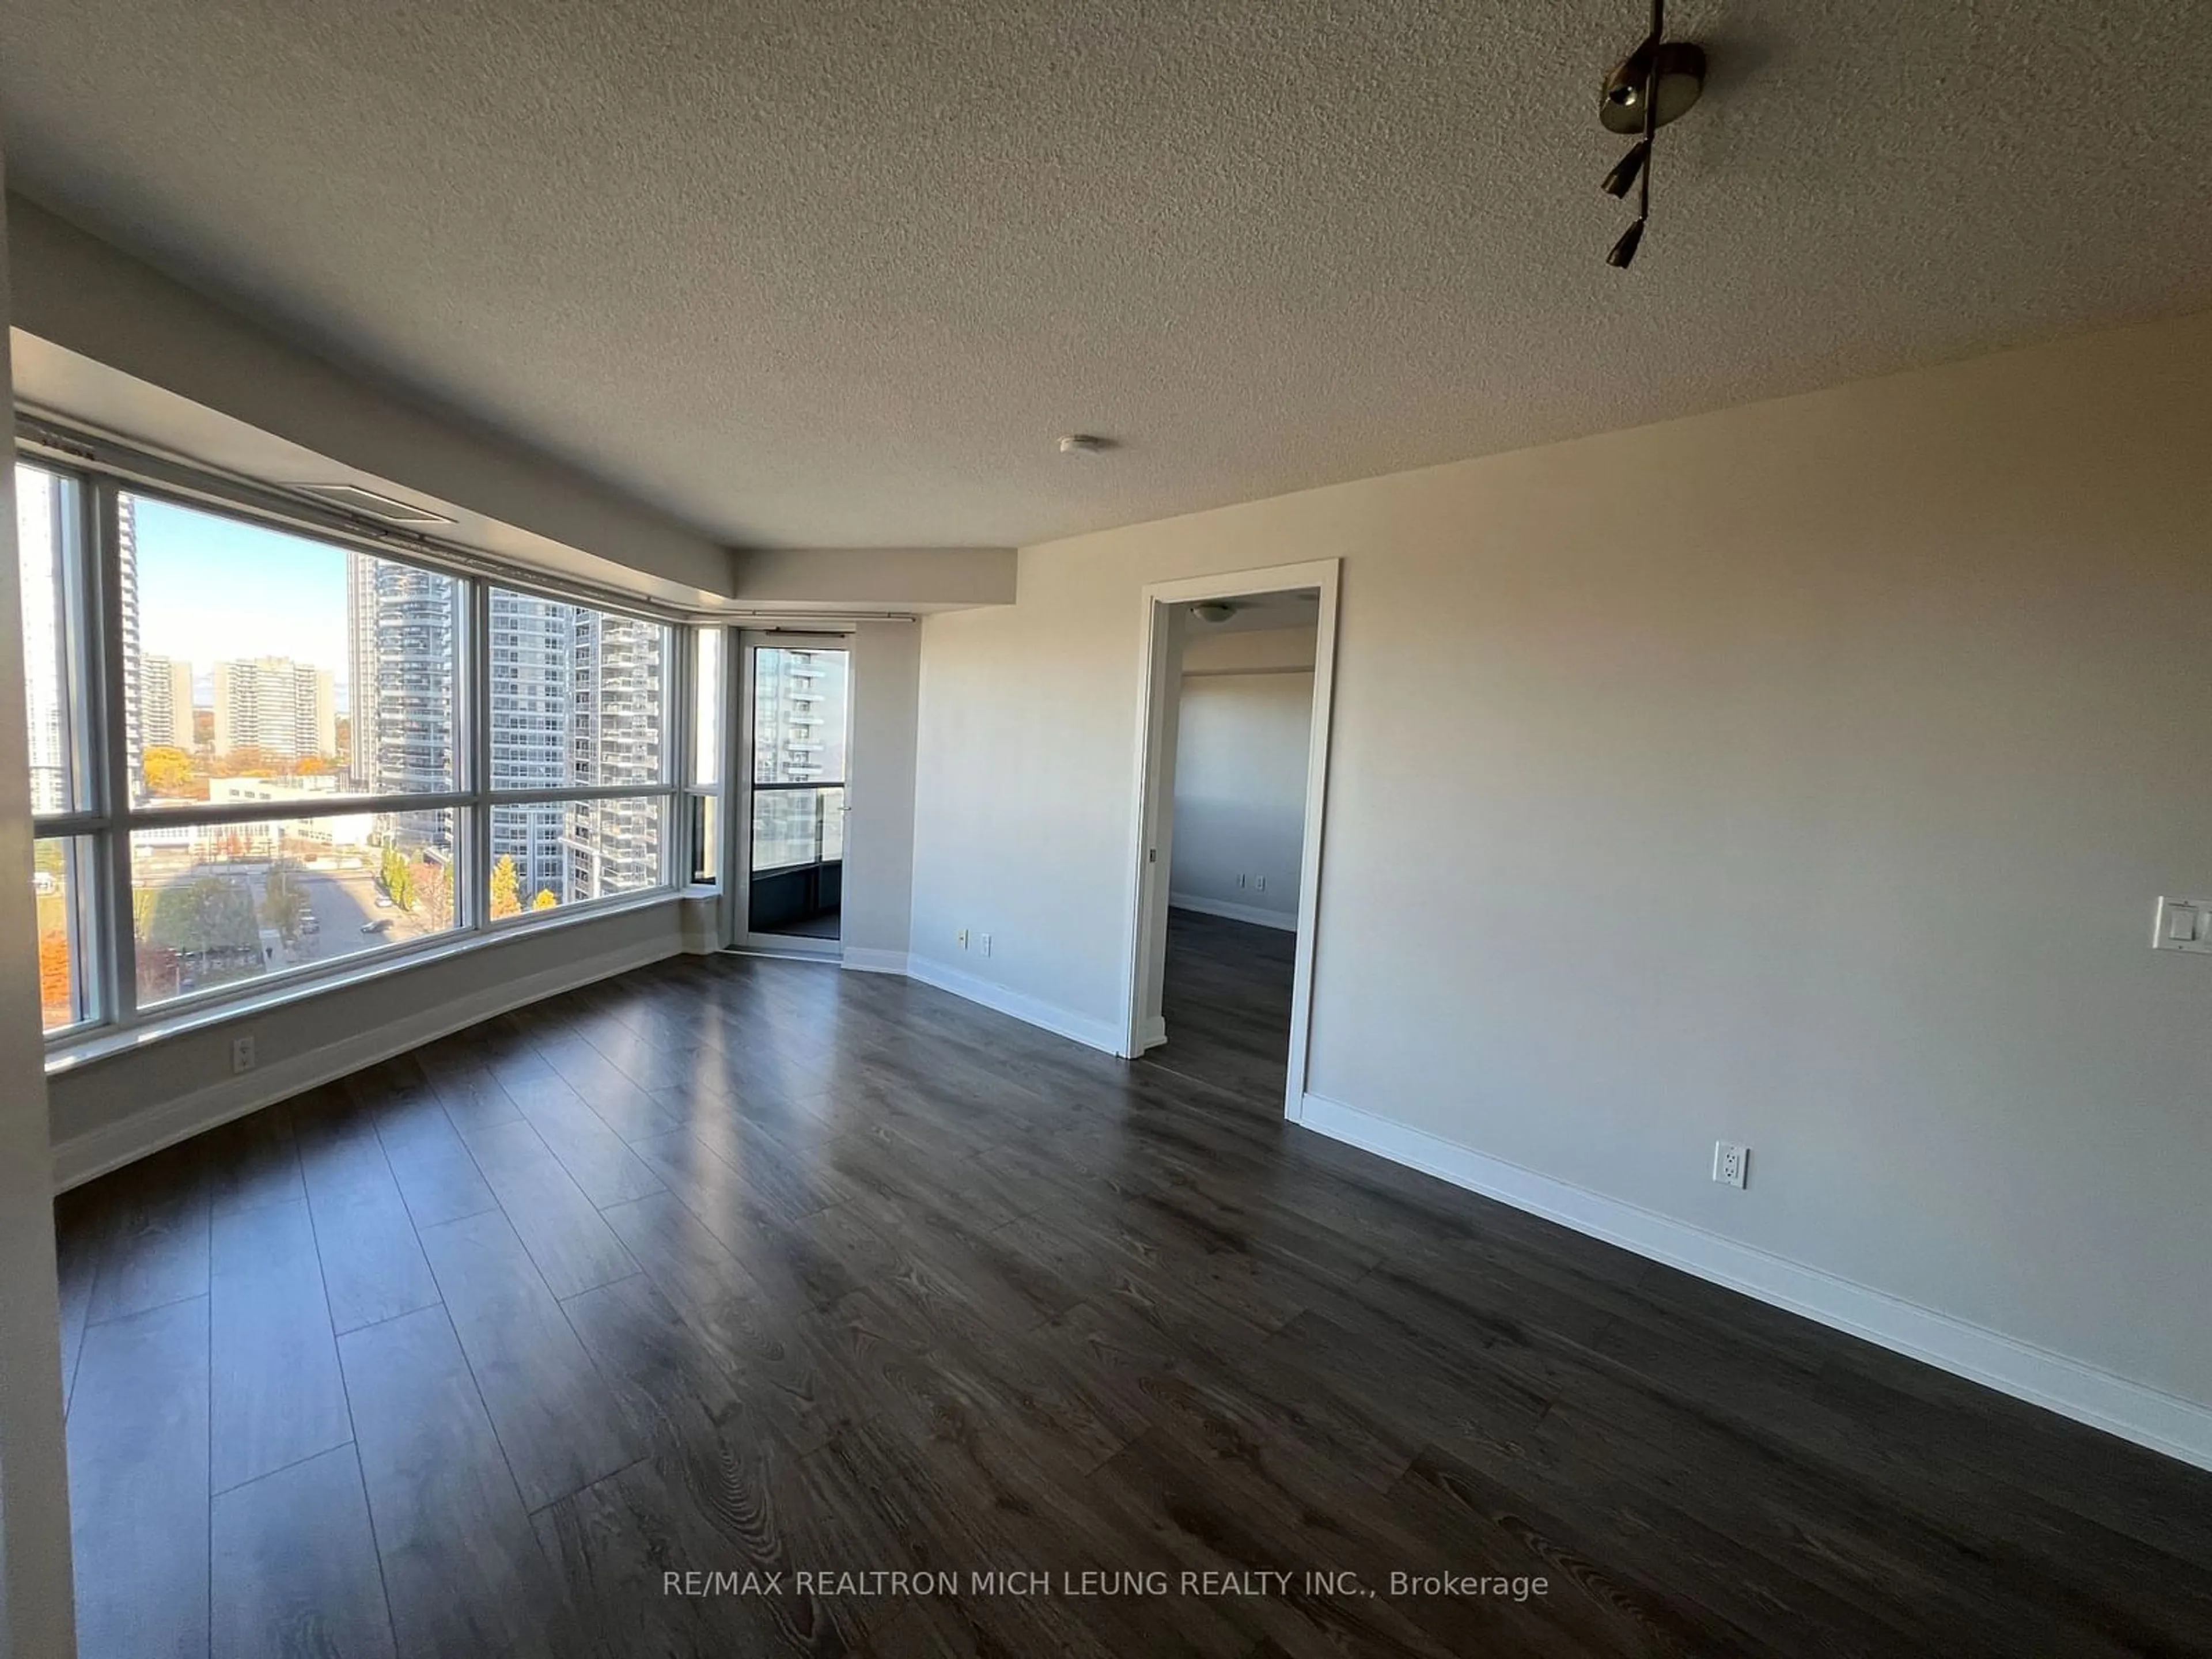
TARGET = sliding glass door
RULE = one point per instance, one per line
(797, 708)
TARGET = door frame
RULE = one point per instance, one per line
(739, 933)
(1151, 828)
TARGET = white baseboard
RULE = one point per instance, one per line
(2163, 1422)
(1285, 919)
(1153, 1033)
(83, 1157)
(1091, 1033)
(862, 960)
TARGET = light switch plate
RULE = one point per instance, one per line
(2183, 924)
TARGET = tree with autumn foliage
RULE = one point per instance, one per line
(506, 888)
(173, 773)
(57, 989)
(544, 901)
(247, 761)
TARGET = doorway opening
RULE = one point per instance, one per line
(1237, 678)
(797, 709)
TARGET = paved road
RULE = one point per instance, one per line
(342, 901)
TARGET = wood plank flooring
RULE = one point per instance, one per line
(1226, 998)
(733, 1265)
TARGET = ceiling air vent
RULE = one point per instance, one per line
(353, 497)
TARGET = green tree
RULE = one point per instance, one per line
(284, 902)
(397, 877)
(206, 916)
(506, 889)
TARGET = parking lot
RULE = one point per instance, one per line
(341, 901)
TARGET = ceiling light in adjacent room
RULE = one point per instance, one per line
(1213, 612)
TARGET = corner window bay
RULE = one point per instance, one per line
(256, 755)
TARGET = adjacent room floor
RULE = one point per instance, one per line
(744, 1267)
(1226, 996)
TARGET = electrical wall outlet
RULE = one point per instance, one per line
(1731, 1162)
(1259, 884)
(1240, 877)
(984, 940)
(242, 1055)
(962, 936)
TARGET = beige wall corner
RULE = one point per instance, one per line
(37, 1608)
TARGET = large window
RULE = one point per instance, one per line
(578, 725)
(261, 754)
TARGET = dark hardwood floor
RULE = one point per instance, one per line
(1226, 996)
(735, 1266)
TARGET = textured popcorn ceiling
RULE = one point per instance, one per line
(817, 272)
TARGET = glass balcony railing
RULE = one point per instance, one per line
(793, 827)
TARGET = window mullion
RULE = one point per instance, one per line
(118, 982)
(677, 857)
(477, 705)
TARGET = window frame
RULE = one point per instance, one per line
(106, 814)
(704, 810)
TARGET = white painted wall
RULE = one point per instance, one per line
(1801, 774)
(878, 896)
(1239, 776)
(37, 1611)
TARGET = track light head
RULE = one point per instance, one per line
(1623, 253)
(1622, 178)
(1675, 73)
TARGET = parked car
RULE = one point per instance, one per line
(383, 900)
(382, 925)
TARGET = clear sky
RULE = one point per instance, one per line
(211, 587)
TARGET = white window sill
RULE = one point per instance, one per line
(99, 1044)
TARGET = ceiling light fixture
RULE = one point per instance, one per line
(1085, 443)
(1622, 178)
(1653, 85)
(1214, 611)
